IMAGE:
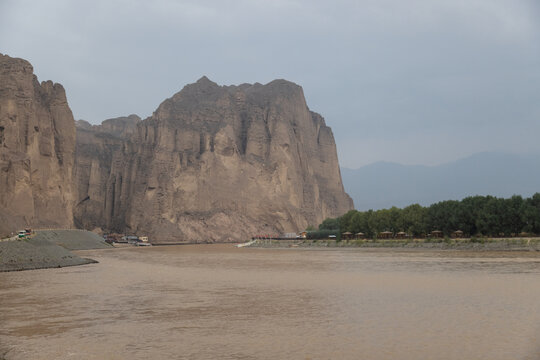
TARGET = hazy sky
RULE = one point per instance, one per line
(416, 81)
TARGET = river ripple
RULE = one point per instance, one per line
(220, 302)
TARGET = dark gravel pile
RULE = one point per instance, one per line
(73, 239)
(48, 249)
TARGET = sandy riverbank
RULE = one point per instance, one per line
(48, 249)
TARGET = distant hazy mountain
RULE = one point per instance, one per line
(384, 184)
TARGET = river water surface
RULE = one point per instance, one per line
(220, 302)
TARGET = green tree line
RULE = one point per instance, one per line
(475, 216)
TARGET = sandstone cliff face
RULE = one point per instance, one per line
(37, 140)
(97, 148)
(218, 163)
(213, 163)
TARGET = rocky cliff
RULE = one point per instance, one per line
(215, 163)
(97, 148)
(37, 141)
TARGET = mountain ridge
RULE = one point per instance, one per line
(484, 173)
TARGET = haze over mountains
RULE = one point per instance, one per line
(385, 184)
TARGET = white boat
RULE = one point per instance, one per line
(246, 244)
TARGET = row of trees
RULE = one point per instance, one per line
(475, 215)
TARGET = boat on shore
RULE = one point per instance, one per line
(246, 244)
(140, 243)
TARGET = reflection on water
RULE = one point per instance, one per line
(219, 302)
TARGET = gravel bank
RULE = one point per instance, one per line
(73, 239)
(48, 249)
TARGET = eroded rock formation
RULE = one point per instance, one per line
(215, 163)
(97, 148)
(37, 140)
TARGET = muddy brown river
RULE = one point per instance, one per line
(220, 302)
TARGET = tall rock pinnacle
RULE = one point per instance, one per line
(221, 163)
(37, 141)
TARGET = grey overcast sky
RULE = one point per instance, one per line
(415, 82)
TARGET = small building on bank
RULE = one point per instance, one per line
(458, 234)
(347, 235)
(436, 234)
(360, 235)
(401, 235)
(385, 235)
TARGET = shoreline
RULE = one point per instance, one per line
(26, 267)
(503, 244)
